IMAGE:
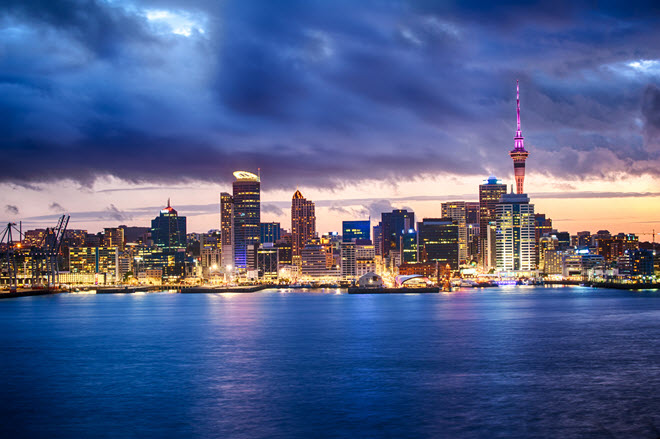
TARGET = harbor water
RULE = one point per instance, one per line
(499, 362)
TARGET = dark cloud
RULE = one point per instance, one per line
(56, 207)
(112, 212)
(102, 28)
(271, 208)
(317, 96)
(651, 114)
(11, 209)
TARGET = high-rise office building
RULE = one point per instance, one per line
(365, 254)
(490, 192)
(354, 230)
(472, 212)
(394, 224)
(583, 239)
(227, 230)
(378, 239)
(518, 153)
(408, 246)
(542, 227)
(270, 232)
(247, 215)
(303, 224)
(168, 230)
(515, 233)
(348, 262)
(457, 210)
(438, 241)
(114, 237)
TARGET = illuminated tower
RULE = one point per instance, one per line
(303, 224)
(227, 229)
(247, 215)
(518, 153)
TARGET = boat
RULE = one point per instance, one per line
(298, 286)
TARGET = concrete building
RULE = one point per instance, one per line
(348, 261)
(91, 260)
(365, 258)
(267, 262)
(114, 237)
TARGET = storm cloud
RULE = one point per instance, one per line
(324, 93)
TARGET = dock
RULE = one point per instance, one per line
(27, 293)
(236, 289)
(358, 290)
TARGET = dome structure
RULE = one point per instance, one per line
(370, 280)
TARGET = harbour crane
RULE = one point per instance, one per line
(43, 256)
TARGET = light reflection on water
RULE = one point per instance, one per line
(496, 362)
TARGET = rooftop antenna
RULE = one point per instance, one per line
(168, 202)
(518, 131)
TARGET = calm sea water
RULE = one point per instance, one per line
(518, 362)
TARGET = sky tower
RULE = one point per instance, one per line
(518, 153)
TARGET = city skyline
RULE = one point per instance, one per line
(306, 106)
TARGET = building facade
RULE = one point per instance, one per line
(515, 234)
(438, 241)
(227, 229)
(303, 224)
(168, 230)
(354, 230)
(269, 232)
(490, 192)
(247, 215)
(457, 210)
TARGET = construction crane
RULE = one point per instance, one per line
(7, 241)
(651, 233)
(44, 256)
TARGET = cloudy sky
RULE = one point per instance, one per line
(110, 107)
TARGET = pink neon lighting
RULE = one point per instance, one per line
(519, 144)
(518, 153)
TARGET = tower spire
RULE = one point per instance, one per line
(168, 202)
(518, 153)
(518, 131)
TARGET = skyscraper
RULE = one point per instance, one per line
(438, 241)
(394, 224)
(490, 192)
(270, 232)
(515, 233)
(518, 153)
(472, 212)
(457, 210)
(247, 215)
(227, 229)
(303, 224)
(378, 239)
(168, 230)
(354, 230)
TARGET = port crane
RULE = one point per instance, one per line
(43, 257)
